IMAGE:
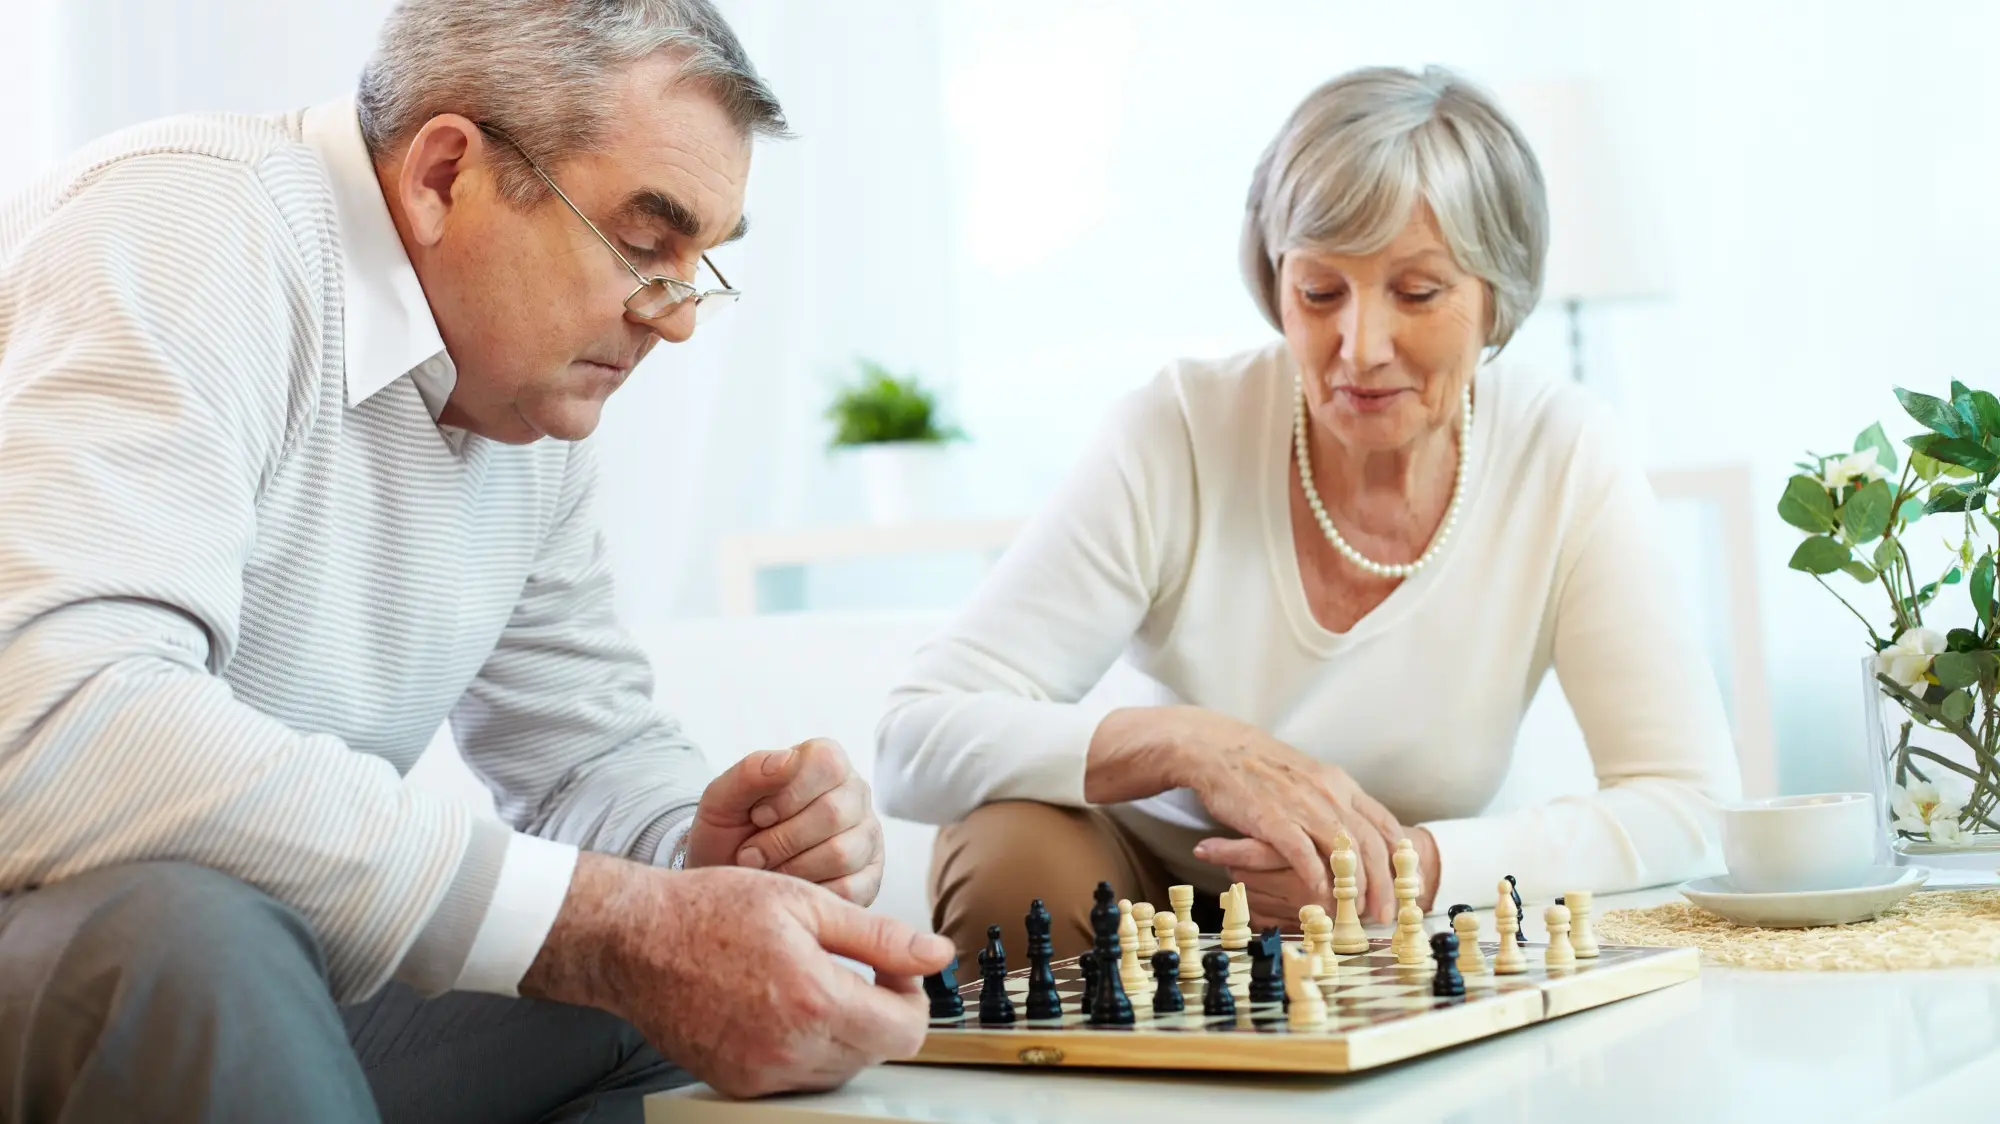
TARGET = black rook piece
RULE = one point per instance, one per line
(943, 990)
(1167, 971)
(1112, 1007)
(994, 1005)
(1215, 997)
(1267, 967)
(1444, 949)
(1043, 1001)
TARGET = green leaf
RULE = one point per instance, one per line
(1911, 511)
(1885, 553)
(1957, 707)
(1961, 640)
(1820, 555)
(881, 407)
(1945, 499)
(1987, 409)
(1926, 468)
(1961, 404)
(1934, 414)
(1952, 576)
(1866, 516)
(1982, 587)
(1885, 453)
(1859, 571)
(1806, 505)
(1961, 451)
(1957, 669)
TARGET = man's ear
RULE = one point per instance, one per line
(443, 151)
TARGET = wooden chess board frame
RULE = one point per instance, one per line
(1377, 1013)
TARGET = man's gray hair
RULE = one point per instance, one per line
(1349, 167)
(543, 72)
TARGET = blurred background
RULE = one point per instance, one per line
(1767, 215)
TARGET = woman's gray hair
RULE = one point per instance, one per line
(543, 72)
(1361, 151)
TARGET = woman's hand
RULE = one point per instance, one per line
(1290, 808)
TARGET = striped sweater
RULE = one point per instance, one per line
(234, 604)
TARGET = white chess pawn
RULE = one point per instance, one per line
(1188, 936)
(1411, 950)
(1581, 937)
(1348, 936)
(1307, 1009)
(1130, 970)
(1321, 940)
(1142, 916)
(1559, 954)
(1509, 960)
(1471, 961)
(1163, 932)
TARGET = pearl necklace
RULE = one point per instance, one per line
(1382, 569)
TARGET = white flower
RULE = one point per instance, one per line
(1859, 463)
(1922, 810)
(1910, 656)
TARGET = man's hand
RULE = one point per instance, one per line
(802, 811)
(731, 973)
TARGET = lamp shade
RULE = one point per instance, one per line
(1597, 245)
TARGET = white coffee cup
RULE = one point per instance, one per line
(1788, 843)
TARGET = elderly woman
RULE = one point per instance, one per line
(1350, 557)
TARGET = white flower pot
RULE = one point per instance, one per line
(901, 481)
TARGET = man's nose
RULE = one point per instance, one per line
(675, 325)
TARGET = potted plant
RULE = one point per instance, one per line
(889, 426)
(1931, 680)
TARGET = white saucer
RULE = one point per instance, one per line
(1885, 886)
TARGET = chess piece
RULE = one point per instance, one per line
(1306, 1007)
(1508, 959)
(1124, 911)
(1582, 938)
(1513, 894)
(1111, 1007)
(1448, 981)
(1087, 966)
(1142, 916)
(1181, 899)
(1267, 969)
(1559, 954)
(1163, 932)
(1130, 970)
(942, 989)
(1216, 1001)
(1348, 936)
(1409, 887)
(1235, 918)
(1471, 961)
(1318, 931)
(1166, 982)
(1188, 937)
(1409, 943)
(1043, 1000)
(994, 1005)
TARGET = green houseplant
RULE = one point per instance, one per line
(1934, 670)
(889, 426)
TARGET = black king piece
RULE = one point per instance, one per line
(1112, 1007)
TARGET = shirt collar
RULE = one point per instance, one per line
(386, 324)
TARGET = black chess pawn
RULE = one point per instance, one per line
(995, 1006)
(1167, 982)
(943, 991)
(1215, 998)
(1043, 1000)
(1112, 1007)
(1444, 950)
(1267, 967)
(1087, 965)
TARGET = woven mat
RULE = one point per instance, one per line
(1950, 929)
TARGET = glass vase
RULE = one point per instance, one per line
(1937, 786)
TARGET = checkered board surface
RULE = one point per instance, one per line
(1377, 1013)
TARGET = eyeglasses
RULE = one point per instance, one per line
(655, 296)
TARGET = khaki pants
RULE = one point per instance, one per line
(988, 867)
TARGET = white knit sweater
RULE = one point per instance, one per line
(1172, 546)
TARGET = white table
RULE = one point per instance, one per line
(1733, 1045)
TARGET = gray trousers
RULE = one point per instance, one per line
(164, 991)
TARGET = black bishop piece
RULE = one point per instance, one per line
(994, 1005)
(1043, 1000)
(1111, 1006)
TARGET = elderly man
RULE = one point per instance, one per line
(275, 501)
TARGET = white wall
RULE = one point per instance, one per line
(1035, 204)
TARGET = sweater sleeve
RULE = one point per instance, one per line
(160, 335)
(992, 709)
(1646, 700)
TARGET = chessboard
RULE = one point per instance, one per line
(1377, 1013)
